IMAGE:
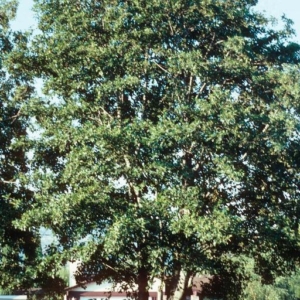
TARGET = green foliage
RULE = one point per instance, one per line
(18, 248)
(284, 288)
(168, 140)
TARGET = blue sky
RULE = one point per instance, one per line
(291, 8)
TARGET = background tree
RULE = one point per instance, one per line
(284, 288)
(20, 248)
(168, 139)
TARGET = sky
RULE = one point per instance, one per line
(276, 8)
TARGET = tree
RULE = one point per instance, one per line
(20, 248)
(284, 288)
(168, 139)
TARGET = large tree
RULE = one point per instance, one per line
(168, 139)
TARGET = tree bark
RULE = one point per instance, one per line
(143, 293)
(179, 285)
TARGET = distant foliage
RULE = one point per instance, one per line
(284, 288)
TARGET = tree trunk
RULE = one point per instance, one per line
(143, 293)
(179, 285)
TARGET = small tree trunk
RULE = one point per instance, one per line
(179, 285)
(143, 293)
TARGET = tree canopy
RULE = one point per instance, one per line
(17, 247)
(20, 248)
(167, 140)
